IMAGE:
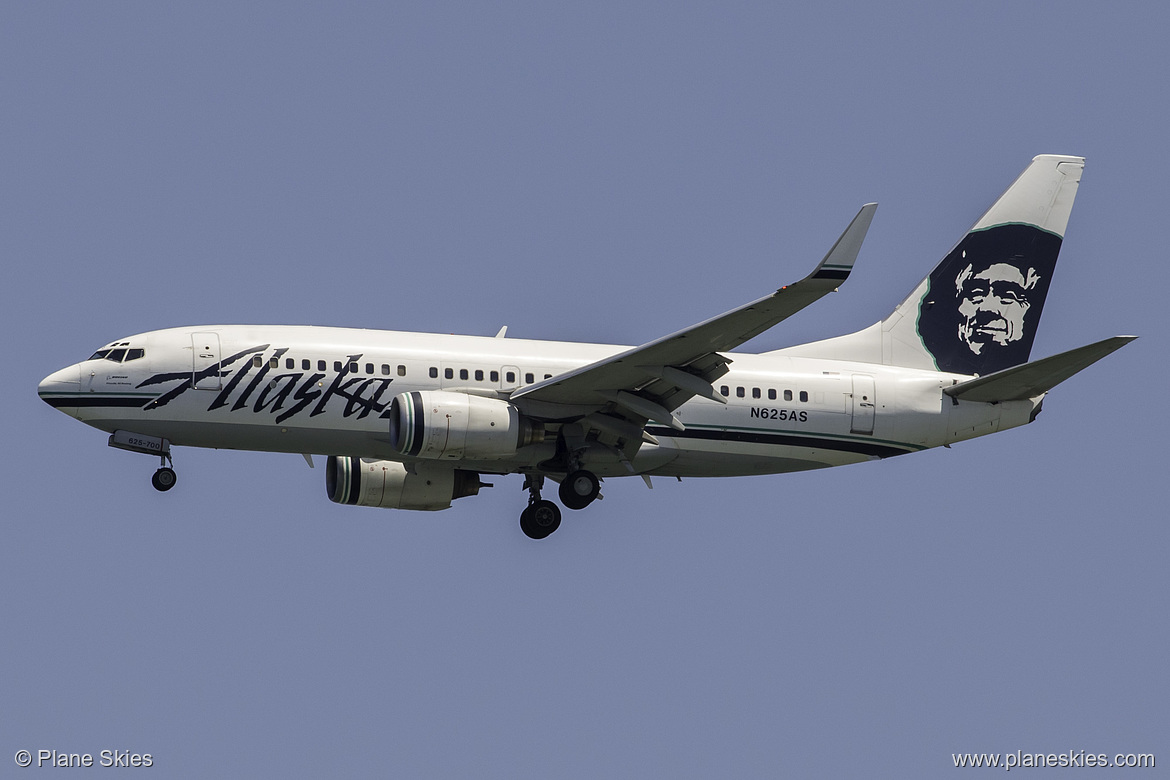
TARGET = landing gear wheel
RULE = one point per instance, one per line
(164, 479)
(540, 519)
(579, 489)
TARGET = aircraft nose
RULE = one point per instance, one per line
(61, 388)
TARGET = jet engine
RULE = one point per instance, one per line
(437, 424)
(390, 485)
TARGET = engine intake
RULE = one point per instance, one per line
(438, 424)
(390, 485)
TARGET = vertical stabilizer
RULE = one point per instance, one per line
(977, 311)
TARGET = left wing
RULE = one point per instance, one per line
(651, 381)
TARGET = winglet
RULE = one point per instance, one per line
(840, 259)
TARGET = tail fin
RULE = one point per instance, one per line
(976, 313)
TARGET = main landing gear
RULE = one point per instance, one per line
(578, 490)
(542, 517)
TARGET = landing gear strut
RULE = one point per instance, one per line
(542, 517)
(579, 489)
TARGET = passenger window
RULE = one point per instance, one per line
(385, 369)
(305, 365)
(369, 368)
(274, 362)
(529, 378)
(771, 394)
(290, 363)
(134, 354)
(337, 366)
(353, 368)
(755, 392)
(548, 376)
(463, 373)
(787, 395)
(434, 373)
(402, 371)
(739, 392)
(723, 391)
(494, 376)
(510, 377)
(257, 361)
(479, 375)
(320, 365)
(803, 396)
(449, 373)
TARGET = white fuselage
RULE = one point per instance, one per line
(325, 391)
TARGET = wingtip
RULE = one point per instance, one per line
(839, 261)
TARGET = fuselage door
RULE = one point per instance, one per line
(205, 361)
(864, 404)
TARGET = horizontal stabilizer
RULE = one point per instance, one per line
(1035, 378)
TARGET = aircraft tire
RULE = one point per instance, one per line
(579, 489)
(164, 479)
(540, 519)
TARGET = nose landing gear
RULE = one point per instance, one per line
(164, 479)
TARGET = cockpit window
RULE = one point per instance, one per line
(119, 355)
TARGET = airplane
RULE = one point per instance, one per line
(415, 420)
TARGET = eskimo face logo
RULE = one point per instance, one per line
(979, 312)
(993, 304)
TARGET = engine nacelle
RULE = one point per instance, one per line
(438, 424)
(388, 484)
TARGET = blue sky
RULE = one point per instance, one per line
(594, 172)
